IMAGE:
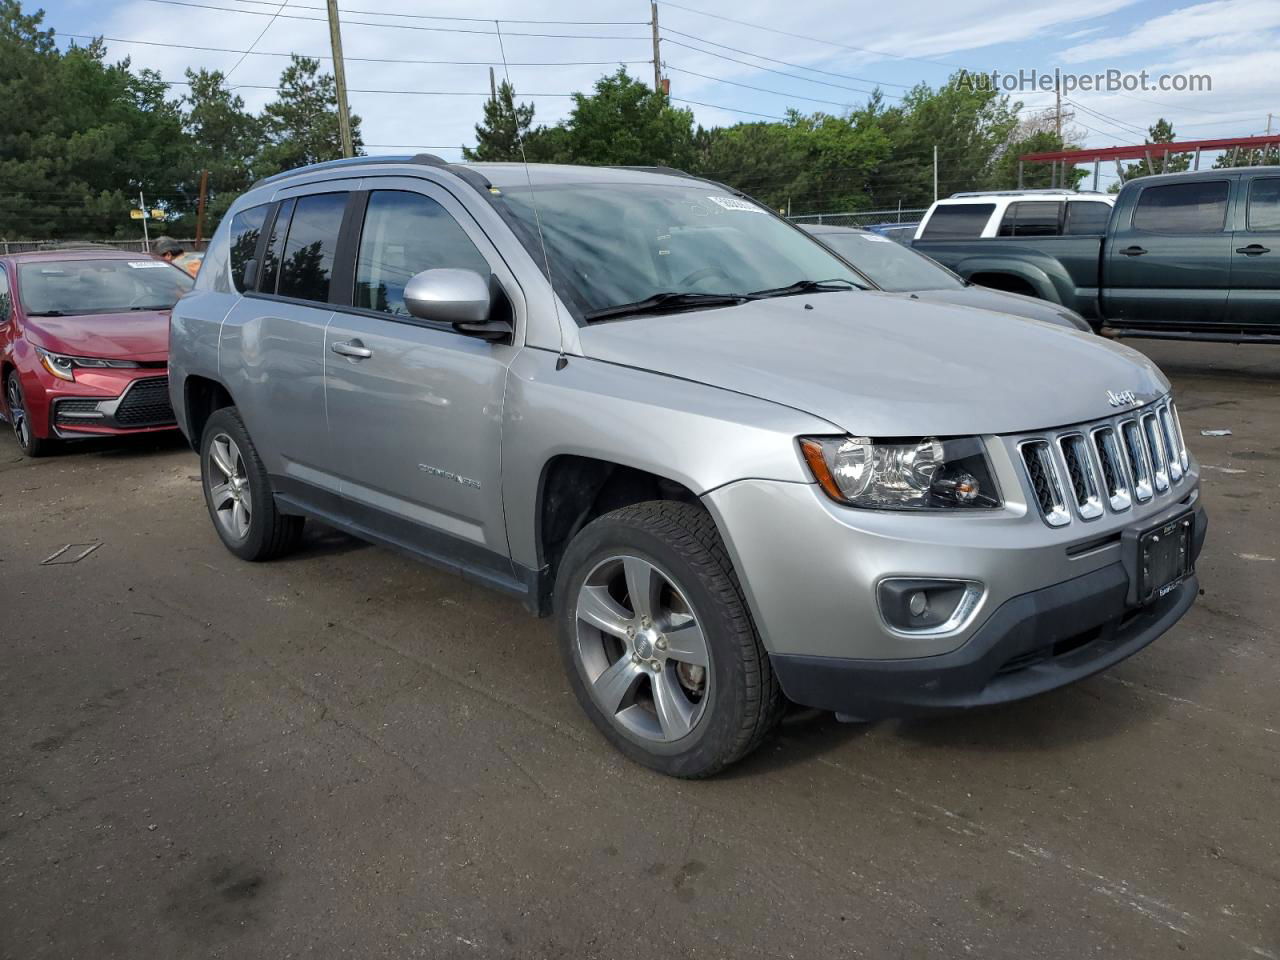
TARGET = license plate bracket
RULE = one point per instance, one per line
(1163, 558)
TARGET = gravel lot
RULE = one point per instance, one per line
(348, 754)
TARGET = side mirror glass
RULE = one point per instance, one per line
(460, 297)
(249, 275)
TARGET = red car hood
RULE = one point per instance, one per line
(137, 335)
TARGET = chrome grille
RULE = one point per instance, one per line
(1083, 472)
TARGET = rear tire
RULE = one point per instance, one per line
(238, 494)
(30, 444)
(634, 667)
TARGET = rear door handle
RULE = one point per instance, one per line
(1133, 251)
(1253, 250)
(353, 349)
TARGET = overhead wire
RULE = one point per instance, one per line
(256, 39)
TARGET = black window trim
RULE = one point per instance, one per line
(1226, 210)
(339, 256)
(1248, 201)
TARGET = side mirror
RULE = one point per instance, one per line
(460, 297)
(249, 275)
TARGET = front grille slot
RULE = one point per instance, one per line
(74, 413)
(1038, 458)
(1115, 481)
(1080, 476)
(1139, 463)
(1171, 444)
(146, 404)
(1155, 450)
(1183, 456)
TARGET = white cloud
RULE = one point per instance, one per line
(1232, 21)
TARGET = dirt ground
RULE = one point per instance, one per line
(348, 754)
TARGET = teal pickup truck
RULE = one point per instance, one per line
(1188, 256)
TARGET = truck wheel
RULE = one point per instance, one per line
(238, 492)
(658, 643)
(32, 446)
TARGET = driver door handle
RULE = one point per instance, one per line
(353, 349)
(1253, 250)
(1133, 251)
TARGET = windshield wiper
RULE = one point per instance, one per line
(159, 306)
(662, 302)
(805, 286)
(45, 313)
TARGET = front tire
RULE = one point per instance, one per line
(32, 446)
(238, 492)
(658, 643)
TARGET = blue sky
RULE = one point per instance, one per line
(1236, 42)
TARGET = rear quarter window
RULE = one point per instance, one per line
(958, 221)
(1183, 208)
(246, 228)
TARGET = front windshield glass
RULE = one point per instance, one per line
(889, 265)
(78, 287)
(612, 244)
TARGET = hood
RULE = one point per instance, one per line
(137, 335)
(1014, 304)
(884, 365)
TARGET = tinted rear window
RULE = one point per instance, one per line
(958, 221)
(1088, 217)
(306, 265)
(246, 227)
(1183, 208)
(1264, 204)
(1035, 218)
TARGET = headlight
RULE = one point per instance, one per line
(63, 367)
(918, 475)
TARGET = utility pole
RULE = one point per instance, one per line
(1268, 124)
(142, 208)
(493, 87)
(204, 195)
(1057, 113)
(935, 172)
(340, 80)
(657, 54)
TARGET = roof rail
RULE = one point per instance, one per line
(1056, 191)
(428, 159)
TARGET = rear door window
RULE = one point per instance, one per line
(1087, 217)
(246, 228)
(405, 233)
(1037, 218)
(1182, 208)
(306, 262)
(1264, 204)
(958, 221)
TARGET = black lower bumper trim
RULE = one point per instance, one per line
(1031, 644)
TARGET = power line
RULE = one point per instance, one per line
(716, 106)
(761, 56)
(256, 40)
(747, 86)
(447, 63)
(392, 26)
(781, 73)
(1119, 124)
(801, 36)
(432, 16)
(406, 93)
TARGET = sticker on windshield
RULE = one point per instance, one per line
(733, 203)
(148, 264)
(876, 238)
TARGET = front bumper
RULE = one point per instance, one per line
(1032, 644)
(142, 407)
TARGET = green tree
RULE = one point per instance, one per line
(1158, 160)
(301, 125)
(505, 124)
(226, 141)
(624, 122)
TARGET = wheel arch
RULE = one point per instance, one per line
(201, 396)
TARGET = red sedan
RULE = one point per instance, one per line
(84, 344)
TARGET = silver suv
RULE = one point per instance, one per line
(734, 473)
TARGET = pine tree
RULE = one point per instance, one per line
(504, 126)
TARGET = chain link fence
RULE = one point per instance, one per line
(863, 218)
(133, 246)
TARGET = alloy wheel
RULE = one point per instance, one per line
(641, 649)
(18, 413)
(231, 498)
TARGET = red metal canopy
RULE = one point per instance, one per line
(1155, 149)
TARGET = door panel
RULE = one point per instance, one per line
(1171, 263)
(415, 408)
(1255, 255)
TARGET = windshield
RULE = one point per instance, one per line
(77, 287)
(889, 265)
(612, 244)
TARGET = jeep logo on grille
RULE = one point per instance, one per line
(1121, 399)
